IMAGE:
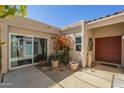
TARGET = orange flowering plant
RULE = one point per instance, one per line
(62, 46)
(63, 42)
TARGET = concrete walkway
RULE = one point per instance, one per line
(28, 77)
(91, 78)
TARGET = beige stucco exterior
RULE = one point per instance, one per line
(112, 30)
(34, 33)
(75, 55)
(23, 26)
(73, 31)
(108, 31)
(106, 27)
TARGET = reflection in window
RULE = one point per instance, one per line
(24, 51)
(78, 43)
(21, 50)
(40, 49)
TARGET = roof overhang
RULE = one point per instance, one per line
(73, 28)
(30, 24)
(119, 18)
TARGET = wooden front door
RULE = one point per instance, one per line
(108, 49)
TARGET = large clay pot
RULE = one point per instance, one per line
(55, 64)
(73, 66)
(89, 61)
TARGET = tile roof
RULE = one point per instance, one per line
(116, 13)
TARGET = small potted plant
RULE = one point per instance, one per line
(73, 65)
(55, 63)
(54, 60)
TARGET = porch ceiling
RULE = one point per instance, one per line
(109, 30)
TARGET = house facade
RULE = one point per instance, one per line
(28, 40)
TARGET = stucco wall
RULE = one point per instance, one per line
(75, 55)
(73, 31)
(112, 30)
(107, 31)
(30, 24)
(23, 31)
(7, 29)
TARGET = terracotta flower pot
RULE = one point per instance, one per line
(55, 64)
(73, 66)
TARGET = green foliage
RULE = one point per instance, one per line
(54, 57)
(65, 56)
(12, 10)
(22, 10)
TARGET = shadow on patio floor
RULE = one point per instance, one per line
(57, 74)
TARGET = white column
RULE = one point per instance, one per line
(5, 51)
(84, 45)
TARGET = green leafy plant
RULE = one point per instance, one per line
(54, 57)
(12, 10)
(63, 44)
(65, 56)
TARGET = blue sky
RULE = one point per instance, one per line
(62, 15)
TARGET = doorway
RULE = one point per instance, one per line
(108, 49)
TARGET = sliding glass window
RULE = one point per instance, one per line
(40, 49)
(21, 50)
(27, 50)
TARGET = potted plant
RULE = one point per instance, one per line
(55, 63)
(63, 44)
(73, 65)
(54, 60)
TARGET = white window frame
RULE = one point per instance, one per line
(77, 43)
(10, 34)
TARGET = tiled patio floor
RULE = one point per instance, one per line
(98, 77)
(28, 77)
